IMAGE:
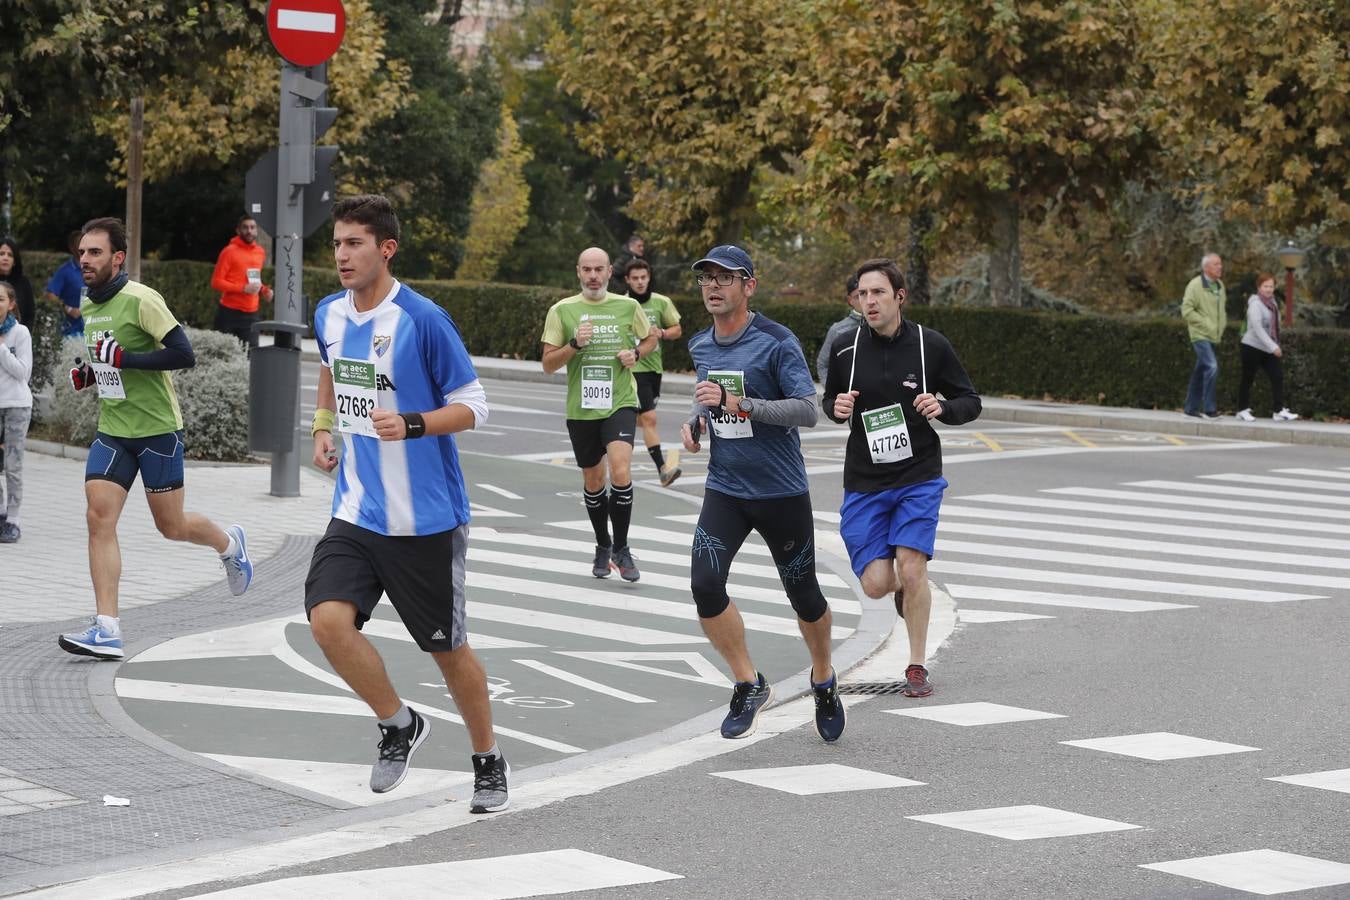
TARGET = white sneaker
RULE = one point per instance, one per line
(1246, 415)
(1285, 415)
(238, 568)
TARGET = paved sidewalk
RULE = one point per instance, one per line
(46, 574)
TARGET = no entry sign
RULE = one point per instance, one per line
(306, 32)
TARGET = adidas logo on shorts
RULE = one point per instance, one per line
(438, 636)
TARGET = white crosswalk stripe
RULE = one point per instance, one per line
(1097, 560)
(1281, 482)
(1260, 531)
(1208, 516)
(1080, 601)
(1289, 499)
(1233, 501)
(1249, 553)
(1112, 582)
(1318, 473)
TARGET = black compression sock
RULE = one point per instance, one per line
(621, 512)
(658, 457)
(597, 507)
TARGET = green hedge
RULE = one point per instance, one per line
(1086, 358)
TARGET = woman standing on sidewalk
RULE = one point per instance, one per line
(16, 405)
(1260, 348)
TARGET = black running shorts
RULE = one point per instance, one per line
(649, 390)
(591, 437)
(422, 574)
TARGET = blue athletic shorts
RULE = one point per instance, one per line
(873, 525)
(158, 460)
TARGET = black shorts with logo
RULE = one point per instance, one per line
(649, 390)
(422, 574)
(590, 437)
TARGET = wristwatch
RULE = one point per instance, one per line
(572, 342)
(747, 407)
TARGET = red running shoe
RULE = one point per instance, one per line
(916, 682)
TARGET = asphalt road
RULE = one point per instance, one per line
(1161, 622)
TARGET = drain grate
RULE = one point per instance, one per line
(873, 687)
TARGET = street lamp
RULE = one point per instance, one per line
(1290, 256)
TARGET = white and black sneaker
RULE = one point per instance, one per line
(397, 746)
(490, 774)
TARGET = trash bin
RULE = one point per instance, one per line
(274, 388)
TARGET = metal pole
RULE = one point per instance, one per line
(135, 186)
(287, 292)
(1288, 297)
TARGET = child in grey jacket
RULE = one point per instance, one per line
(16, 405)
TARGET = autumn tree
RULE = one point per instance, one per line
(1254, 107)
(426, 155)
(127, 45)
(577, 198)
(982, 111)
(688, 97)
(501, 204)
(229, 106)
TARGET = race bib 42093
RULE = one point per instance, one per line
(726, 424)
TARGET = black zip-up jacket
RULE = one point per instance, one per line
(887, 371)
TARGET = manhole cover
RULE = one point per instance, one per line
(873, 687)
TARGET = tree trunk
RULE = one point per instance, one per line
(920, 226)
(1005, 251)
(735, 207)
(134, 177)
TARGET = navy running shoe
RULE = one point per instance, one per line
(829, 709)
(748, 700)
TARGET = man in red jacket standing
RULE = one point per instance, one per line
(238, 277)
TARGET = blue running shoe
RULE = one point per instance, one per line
(238, 569)
(829, 709)
(95, 641)
(748, 700)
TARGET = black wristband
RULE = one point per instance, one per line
(415, 424)
(723, 404)
(572, 342)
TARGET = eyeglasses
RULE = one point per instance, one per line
(722, 279)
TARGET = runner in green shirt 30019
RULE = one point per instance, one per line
(600, 337)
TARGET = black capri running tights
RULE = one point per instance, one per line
(787, 527)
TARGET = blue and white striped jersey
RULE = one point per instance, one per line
(399, 487)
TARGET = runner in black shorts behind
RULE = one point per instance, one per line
(664, 319)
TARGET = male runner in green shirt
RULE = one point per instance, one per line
(664, 319)
(133, 342)
(599, 337)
